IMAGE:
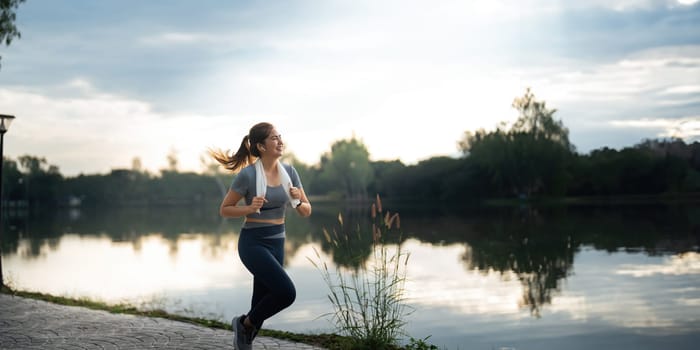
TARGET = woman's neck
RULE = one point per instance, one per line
(269, 163)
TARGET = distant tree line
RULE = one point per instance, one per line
(531, 158)
(30, 181)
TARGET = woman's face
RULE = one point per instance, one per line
(273, 145)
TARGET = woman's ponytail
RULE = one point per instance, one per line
(247, 151)
(236, 161)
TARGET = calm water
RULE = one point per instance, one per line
(603, 277)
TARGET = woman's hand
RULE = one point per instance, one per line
(295, 192)
(256, 204)
(230, 208)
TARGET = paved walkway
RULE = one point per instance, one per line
(35, 324)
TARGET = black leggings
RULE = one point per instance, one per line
(273, 290)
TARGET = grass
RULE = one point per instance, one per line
(368, 300)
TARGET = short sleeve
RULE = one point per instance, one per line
(241, 184)
(294, 176)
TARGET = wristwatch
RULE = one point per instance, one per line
(298, 205)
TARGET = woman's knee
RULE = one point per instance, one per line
(289, 295)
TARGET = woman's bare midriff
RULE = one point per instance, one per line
(266, 221)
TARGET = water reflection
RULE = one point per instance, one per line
(100, 268)
(537, 245)
(474, 272)
(539, 256)
(436, 280)
(681, 264)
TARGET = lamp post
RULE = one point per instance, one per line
(5, 121)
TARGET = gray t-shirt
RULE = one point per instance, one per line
(277, 199)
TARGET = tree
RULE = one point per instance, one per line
(538, 121)
(172, 160)
(489, 154)
(348, 167)
(8, 29)
(212, 168)
(306, 173)
(43, 180)
(650, 167)
(35, 166)
(13, 181)
(387, 175)
(530, 157)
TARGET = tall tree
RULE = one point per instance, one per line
(8, 29)
(530, 157)
(348, 167)
(538, 121)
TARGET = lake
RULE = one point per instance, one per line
(525, 277)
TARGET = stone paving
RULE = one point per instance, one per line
(35, 324)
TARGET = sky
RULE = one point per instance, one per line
(96, 84)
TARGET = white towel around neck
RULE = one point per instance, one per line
(261, 182)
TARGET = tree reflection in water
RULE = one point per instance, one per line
(523, 243)
(538, 244)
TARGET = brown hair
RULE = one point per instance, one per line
(247, 152)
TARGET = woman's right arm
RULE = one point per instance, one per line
(230, 208)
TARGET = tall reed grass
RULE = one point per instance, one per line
(369, 299)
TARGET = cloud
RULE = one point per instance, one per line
(685, 128)
(681, 89)
(642, 83)
(407, 77)
(177, 38)
(93, 131)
